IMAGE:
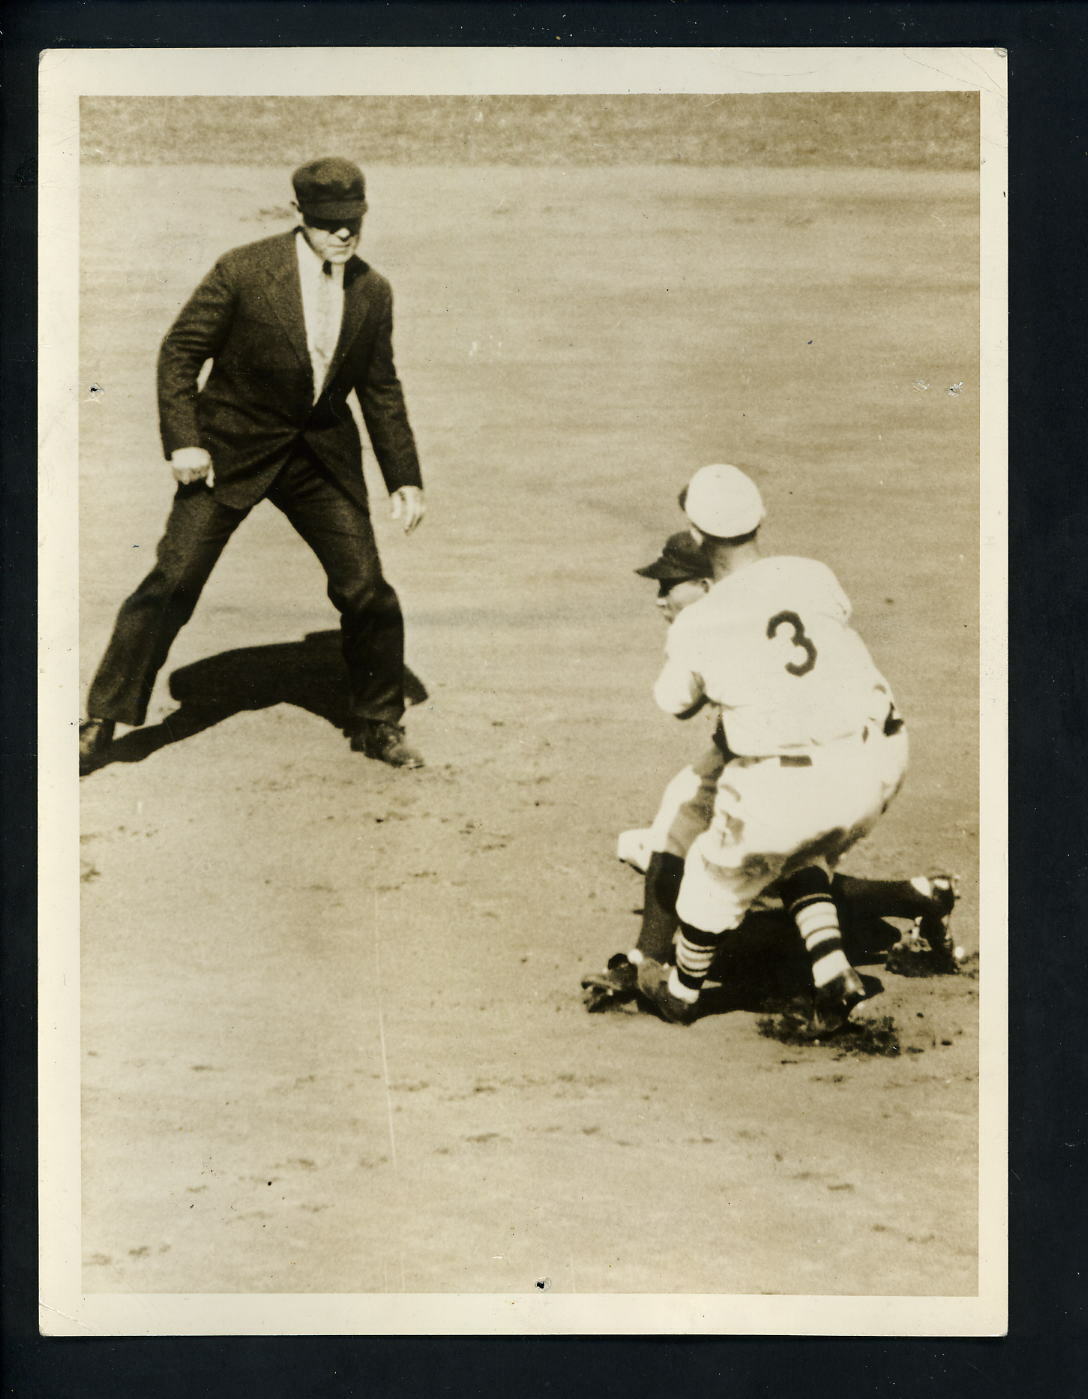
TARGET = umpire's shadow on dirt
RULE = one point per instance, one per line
(309, 673)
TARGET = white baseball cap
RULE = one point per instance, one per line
(722, 501)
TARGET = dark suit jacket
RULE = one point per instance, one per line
(246, 317)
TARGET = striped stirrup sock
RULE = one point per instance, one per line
(808, 898)
(694, 954)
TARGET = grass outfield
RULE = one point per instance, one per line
(880, 130)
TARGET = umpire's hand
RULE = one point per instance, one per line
(191, 464)
(408, 506)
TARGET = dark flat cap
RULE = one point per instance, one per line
(330, 188)
(681, 558)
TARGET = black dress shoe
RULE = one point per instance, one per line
(385, 742)
(95, 737)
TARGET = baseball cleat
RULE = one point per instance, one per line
(935, 927)
(615, 986)
(927, 947)
(653, 985)
(832, 1003)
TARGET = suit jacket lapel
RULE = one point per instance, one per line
(356, 304)
(286, 296)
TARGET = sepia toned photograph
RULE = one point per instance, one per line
(525, 579)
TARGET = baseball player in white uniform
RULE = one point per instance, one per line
(816, 749)
(685, 810)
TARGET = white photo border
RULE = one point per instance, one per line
(65, 77)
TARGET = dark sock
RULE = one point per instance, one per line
(886, 898)
(660, 889)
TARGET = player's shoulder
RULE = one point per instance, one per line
(810, 579)
(782, 582)
(788, 567)
(689, 624)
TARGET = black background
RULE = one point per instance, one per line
(1046, 1350)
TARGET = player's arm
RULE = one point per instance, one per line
(679, 690)
(693, 709)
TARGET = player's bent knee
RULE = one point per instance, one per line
(811, 879)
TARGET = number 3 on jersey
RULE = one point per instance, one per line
(798, 639)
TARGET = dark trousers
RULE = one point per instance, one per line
(336, 528)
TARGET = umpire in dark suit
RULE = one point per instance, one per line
(291, 324)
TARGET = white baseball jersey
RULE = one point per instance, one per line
(771, 645)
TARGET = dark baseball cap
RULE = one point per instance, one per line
(330, 188)
(680, 559)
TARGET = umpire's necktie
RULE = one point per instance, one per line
(327, 330)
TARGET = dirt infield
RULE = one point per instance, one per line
(331, 1029)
